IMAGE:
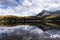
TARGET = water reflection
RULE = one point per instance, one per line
(51, 21)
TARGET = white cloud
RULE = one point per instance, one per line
(28, 7)
(53, 5)
(56, 36)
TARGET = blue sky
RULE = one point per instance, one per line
(27, 7)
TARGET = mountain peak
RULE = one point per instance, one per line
(43, 12)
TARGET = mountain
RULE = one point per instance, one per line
(45, 12)
(55, 12)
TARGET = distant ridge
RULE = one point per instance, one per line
(56, 12)
(43, 12)
(48, 12)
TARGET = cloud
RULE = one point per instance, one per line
(53, 5)
(27, 7)
(11, 3)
